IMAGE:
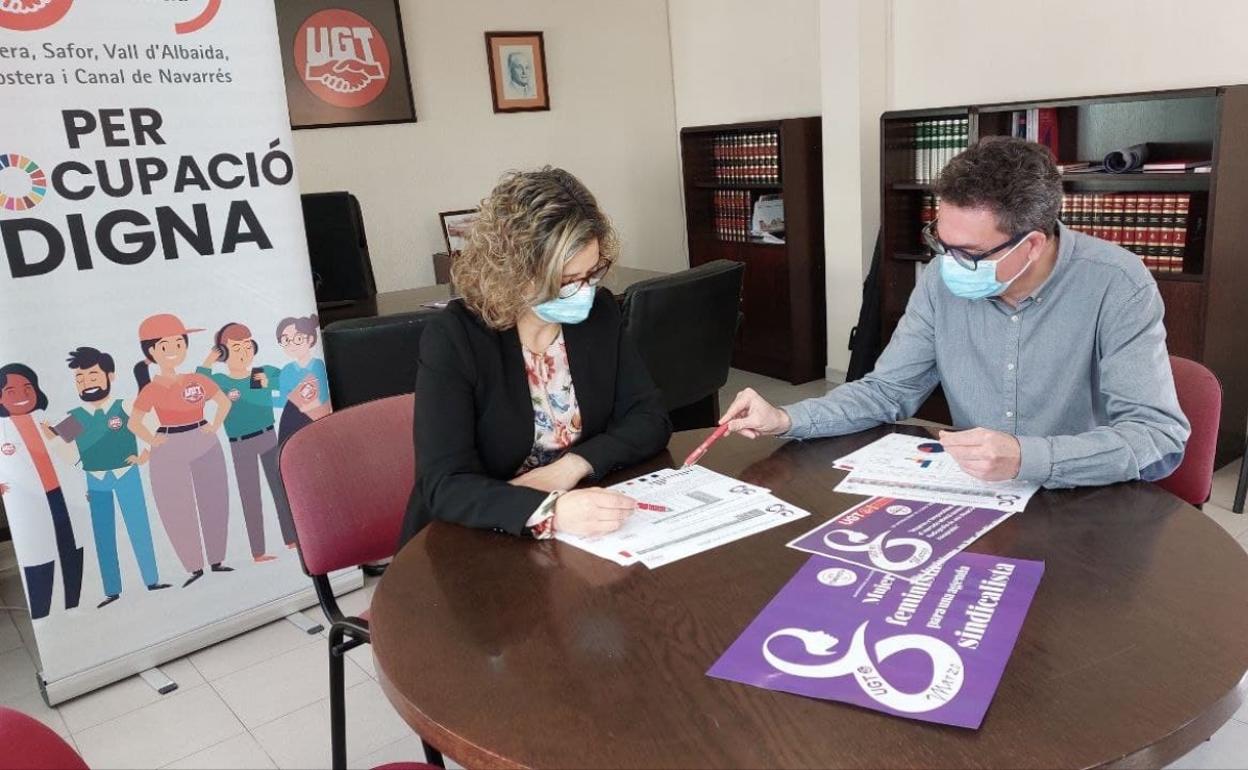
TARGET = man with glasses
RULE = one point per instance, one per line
(1048, 343)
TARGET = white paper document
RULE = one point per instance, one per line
(704, 509)
(918, 468)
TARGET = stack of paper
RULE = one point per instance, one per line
(704, 509)
(920, 469)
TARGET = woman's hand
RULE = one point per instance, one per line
(592, 512)
(559, 476)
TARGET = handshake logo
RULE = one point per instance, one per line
(26, 15)
(342, 58)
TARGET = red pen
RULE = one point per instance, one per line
(652, 507)
(696, 454)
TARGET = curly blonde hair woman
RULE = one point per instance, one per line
(528, 387)
(529, 229)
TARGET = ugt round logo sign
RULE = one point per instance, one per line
(22, 183)
(26, 15)
(342, 58)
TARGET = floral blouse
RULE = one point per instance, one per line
(556, 415)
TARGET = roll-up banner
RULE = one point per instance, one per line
(158, 335)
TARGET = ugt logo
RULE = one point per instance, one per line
(342, 58)
(22, 183)
(27, 15)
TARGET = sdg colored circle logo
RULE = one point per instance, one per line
(342, 58)
(27, 15)
(22, 183)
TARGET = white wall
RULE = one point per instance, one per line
(854, 73)
(950, 52)
(740, 60)
(611, 123)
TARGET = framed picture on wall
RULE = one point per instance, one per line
(517, 63)
(455, 227)
(345, 63)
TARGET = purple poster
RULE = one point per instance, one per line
(933, 649)
(901, 537)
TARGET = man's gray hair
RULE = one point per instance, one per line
(1015, 179)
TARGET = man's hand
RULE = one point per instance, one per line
(561, 475)
(751, 416)
(4, 489)
(985, 454)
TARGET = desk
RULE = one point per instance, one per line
(414, 300)
(504, 652)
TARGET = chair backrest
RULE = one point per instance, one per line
(1200, 398)
(347, 479)
(28, 744)
(371, 358)
(684, 325)
(338, 247)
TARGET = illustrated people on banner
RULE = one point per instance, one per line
(250, 424)
(26, 469)
(303, 389)
(97, 437)
(189, 481)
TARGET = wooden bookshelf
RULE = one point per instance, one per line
(783, 331)
(1202, 321)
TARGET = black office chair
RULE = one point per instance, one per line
(371, 358)
(342, 271)
(684, 325)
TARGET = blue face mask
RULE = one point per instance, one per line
(980, 283)
(567, 310)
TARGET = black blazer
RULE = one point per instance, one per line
(474, 418)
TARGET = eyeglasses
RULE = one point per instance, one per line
(965, 258)
(594, 277)
(297, 339)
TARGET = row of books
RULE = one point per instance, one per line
(732, 215)
(1153, 225)
(934, 143)
(1036, 125)
(749, 158)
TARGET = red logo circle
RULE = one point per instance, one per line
(342, 58)
(27, 15)
(8, 449)
(193, 394)
(114, 423)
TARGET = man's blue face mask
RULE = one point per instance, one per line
(981, 282)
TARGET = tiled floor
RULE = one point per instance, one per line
(260, 700)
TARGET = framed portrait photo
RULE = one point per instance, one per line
(455, 227)
(345, 63)
(517, 71)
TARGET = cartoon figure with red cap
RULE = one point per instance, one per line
(188, 476)
(43, 532)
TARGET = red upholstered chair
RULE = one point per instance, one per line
(347, 478)
(1200, 398)
(28, 744)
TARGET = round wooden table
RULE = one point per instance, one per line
(507, 652)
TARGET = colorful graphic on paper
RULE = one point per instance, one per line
(932, 650)
(342, 58)
(22, 183)
(901, 537)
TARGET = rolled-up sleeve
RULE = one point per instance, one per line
(903, 378)
(1146, 431)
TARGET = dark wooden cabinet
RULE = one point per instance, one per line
(783, 331)
(1203, 301)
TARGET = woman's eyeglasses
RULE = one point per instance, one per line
(966, 259)
(594, 277)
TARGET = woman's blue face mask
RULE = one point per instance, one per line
(567, 310)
